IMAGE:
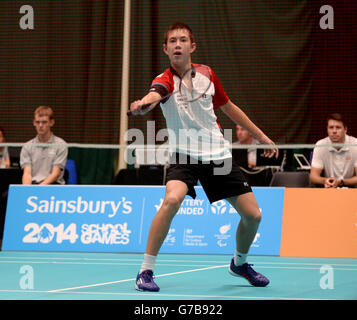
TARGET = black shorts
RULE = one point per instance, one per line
(219, 180)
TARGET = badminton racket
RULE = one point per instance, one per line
(199, 91)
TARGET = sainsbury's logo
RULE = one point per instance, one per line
(79, 205)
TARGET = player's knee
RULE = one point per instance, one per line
(254, 217)
(173, 202)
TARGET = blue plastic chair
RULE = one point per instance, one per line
(72, 172)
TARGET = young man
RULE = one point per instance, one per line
(334, 167)
(44, 164)
(190, 163)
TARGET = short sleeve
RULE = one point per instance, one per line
(220, 97)
(354, 156)
(61, 156)
(164, 80)
(317, 161)
(25, 157)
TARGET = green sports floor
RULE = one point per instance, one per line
(108, 276)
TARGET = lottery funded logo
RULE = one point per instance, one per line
(189, 207)
(222, 207)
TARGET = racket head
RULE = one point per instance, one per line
(203, 82)
(202, 86)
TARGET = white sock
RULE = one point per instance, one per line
(240, 258)
(148, 263)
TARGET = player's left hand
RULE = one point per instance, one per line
(270, 152)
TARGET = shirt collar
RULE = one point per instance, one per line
(193, 71)
(50, 140)
(343, 149)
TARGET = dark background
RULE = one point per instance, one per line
(271, 56)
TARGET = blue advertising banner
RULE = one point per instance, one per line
(117, 219)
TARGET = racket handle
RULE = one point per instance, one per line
(143, 107)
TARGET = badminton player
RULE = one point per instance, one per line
(188, 94)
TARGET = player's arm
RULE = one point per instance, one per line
(160, 90)
(27, 175)
(239, 117)
(138, 107)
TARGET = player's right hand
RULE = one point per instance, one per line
(135, 107)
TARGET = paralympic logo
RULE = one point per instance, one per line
(223, 235)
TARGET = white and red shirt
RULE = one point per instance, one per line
(192, 126)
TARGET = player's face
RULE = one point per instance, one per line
(179, 47)
(336, 131)
(43, 125)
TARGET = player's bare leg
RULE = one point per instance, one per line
(175, 193)
(247, 206)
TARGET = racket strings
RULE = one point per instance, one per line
(200, 93)
(193, 71)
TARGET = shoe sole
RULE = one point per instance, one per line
(231, 272)
(144, 290)
(236, 275)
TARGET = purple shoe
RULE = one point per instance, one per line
(145, 281)
(246, 271)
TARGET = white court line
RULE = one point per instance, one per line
(182, 272)
(132, 279)
(163, 295)
(101, 263)
(179, 261)
(267, 265)
(142, 220)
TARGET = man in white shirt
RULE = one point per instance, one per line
(335, 166)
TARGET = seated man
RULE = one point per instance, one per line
(247, 159)
(4, 152)
(44, 164)
(244, 137)
(335, 166)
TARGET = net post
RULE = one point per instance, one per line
(120, 163)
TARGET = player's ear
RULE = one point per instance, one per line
(164, 48)
(193, 47)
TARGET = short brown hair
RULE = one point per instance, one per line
(175, 26)
(43, 111)
(337, 117)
